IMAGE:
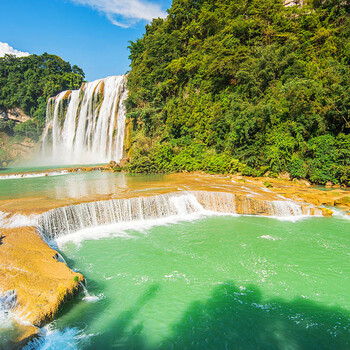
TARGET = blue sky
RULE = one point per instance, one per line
(92, 34)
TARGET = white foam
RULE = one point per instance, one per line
(340, 214)
(175, 276)
(129, 213)
(50, 339)
(32, 175)
(90, 298)
(17, 220)
(7, 304)
(93, 298)
(123, 229)
(110, 218)
(268, 237)
(3, 216)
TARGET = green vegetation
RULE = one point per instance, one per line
(244, 86)
(27, 83)
(267, 184)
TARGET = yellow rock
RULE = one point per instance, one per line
(326, 212)
(30, 267)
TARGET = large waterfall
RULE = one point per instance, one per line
(86, 126)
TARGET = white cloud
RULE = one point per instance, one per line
(129, 11)
(5, 48)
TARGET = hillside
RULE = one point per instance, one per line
(243, 86)
(25, 85)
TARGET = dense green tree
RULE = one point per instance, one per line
(27, 83)
(244, 85)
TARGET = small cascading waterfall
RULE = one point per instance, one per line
(65, 220)
(8, 302)
(87, 125)
(2, 218)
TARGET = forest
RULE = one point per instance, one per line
(27, 83)
(245, 86)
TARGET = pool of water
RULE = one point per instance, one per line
(73, 185)
(218, 282)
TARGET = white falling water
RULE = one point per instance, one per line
(17, 220)
(90, 298)
(2, 218)
(86, 126)
(67, 220)
(7, 304)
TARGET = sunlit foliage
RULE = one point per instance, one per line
(27, 83)
(245, 85)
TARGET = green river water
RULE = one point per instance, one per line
(216, 283)
(210, 282)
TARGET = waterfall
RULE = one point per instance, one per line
(17, 220)
(66, 220)
(86, 126)
(8, 302)
(90, 298)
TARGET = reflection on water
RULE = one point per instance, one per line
(79, 186)
(73, 185)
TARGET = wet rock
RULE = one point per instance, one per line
(42, 283)
(343, 201)
(327, 212)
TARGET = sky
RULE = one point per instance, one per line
(93, 34)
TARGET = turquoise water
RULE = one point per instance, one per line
(73, 185)
(30, 168)
(219, 282)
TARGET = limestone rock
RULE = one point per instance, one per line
(42, 283)
(343, 201)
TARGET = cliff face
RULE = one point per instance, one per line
(15, 114)
(12, 146)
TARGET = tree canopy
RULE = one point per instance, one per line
(28, 82)
(245, 85)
